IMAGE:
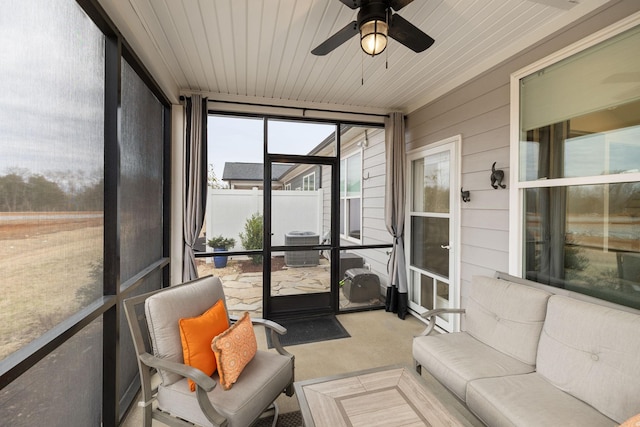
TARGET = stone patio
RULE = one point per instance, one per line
(244, 289)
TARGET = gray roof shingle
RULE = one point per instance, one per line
(242, 171)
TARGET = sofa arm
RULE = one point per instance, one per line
(432, 314)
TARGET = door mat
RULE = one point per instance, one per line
(290, 419)
(310, 329)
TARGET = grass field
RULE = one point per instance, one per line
(43, 263)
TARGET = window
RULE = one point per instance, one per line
(287, 187)
(351, 196)
(578, 169)
(309, 182)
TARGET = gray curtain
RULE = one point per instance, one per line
(548, 264)
(195, 168)
(397, 298)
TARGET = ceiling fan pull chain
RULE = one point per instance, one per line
(362, 67)
(386, 51)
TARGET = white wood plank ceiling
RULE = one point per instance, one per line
(259, 51)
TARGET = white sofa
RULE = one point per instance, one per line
(533, 355)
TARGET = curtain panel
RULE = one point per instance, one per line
(195, 169)
(397, 298)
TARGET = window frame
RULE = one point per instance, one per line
(518, 187)
(309, 182)
(345, 197)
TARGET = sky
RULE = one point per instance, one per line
(51, 90)
(239, 139)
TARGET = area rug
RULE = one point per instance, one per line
(290, 419)
(310, 329)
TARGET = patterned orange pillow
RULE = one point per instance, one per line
(632, 422)
(234, 349)
(196, 334)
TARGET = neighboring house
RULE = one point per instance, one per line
(245, 176)
(302, 178)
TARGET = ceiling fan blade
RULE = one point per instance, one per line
(353, 4)
(408, 34)
(337, 39)
(397, 4)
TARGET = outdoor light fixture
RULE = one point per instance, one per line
(373, 36)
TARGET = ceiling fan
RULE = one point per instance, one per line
(375, 22)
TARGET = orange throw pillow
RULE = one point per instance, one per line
(632, 422)
(196, 334)
(234, 349)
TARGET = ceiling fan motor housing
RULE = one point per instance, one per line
(373, 10)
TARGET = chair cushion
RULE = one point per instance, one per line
(592, 353)
(196, 334)
(506, 316)
(457, 358)
(529, 400)
(264, 377)
(233, 349)
(164, 309)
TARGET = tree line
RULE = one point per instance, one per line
(25, 192)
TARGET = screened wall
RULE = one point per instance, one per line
(84, 137)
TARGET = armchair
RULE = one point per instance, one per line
(153, 321)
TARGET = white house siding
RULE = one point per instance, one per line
(373, 189)
(479, 111)
(374, 230)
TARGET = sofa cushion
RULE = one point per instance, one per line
(592, 352)
(529, 400)
(506, 316)
(457, 358)
(240, 405)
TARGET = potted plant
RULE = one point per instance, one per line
(221, 244)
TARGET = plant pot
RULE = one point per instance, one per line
(220, 261)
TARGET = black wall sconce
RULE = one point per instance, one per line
(466, 195)
(497, 175)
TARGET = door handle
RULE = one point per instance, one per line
(447, 247)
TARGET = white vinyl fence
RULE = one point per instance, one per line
(228, 211)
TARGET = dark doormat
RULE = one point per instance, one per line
(310, 329)
(290, 419)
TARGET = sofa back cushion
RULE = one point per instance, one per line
(592, 352)
(506, 316)
(164, 310)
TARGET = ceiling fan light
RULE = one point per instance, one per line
(373, 36)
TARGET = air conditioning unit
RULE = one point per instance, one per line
(301, 258)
